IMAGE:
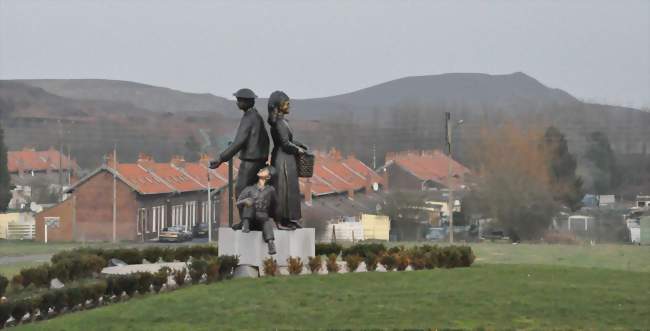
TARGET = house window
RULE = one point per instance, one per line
(190, 214)
(177, 215)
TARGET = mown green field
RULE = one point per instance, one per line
(483, 296)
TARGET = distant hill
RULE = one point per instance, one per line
(157, 99)
(512, 93)
(395, 115)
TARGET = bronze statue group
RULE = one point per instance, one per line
(267, 194)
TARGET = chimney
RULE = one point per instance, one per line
(109, 161)
(144, 159)
(178, 161)
(308, 192)
(385, 178)
(368, 182)
(205, 159)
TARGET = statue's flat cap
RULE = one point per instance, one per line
(245, 93)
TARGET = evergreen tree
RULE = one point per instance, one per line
(5, 180)
(567, 186)
(607, 176)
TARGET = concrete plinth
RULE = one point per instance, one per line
(252, 250)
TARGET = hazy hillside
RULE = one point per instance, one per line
(401, 114)
(158, 99)
(513, 93)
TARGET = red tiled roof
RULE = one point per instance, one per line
(29, 159)
(429, 165)
(150, 177)
(334, 174)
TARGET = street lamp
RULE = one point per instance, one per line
(450, 192)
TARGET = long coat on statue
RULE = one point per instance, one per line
(285, 181)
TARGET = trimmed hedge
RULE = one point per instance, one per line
(328, 249)
(364, 250)
(135, 256)
(4, 282)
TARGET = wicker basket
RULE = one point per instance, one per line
(305, 163)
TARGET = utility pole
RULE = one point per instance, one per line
(60, 161)
(450, 194)
(230, 190)
(209, 210)
(114, 193)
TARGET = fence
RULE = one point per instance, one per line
(21, 231)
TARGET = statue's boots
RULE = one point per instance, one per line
(246, 226)
(294, 224)
(271, 245)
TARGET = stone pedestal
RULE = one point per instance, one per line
(252, 250)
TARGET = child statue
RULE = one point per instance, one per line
(257, 202)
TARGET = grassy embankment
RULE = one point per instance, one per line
(489, 296)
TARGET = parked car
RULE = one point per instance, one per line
(436, 234)
(175, 234)
(201, 230)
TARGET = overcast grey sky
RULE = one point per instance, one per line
(598, 50)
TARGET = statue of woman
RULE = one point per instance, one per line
(283, 159)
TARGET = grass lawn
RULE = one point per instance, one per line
(491, 296)
(9, 270)
(610, 256)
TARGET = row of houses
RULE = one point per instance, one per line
(146, 196)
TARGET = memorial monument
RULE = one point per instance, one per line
(258, 203)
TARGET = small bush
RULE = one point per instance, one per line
(315, 264)
(160, 279)
(182, 253)
(6, 308)
(295, 265)
(179, 276)
(328, 248)
(152, 253)
(4, 282)
(203, 251)
(17, 281)
(389, 261)
(417, 258)
(403, 261)
(59, 301)
(371, 261)
(353, 262)
(128, 255)
(39, 276)
(34, 303)
(20, 308)
(395, 250)
(73, 297)
(145, 279)
(270, 266)
(116, 286)
(212, 270)
(331, 264)
(197, 268)
(467, 256)
(47, 301)
(168, 254)
(227, 265)
(364, 250)
(87, 293)
(129, 284)
(99, 288)
(90, 264)
(449, 257)
(61, 270)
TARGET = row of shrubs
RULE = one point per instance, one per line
(84, 262)
(395, 258)
(114, 288)
(135, 256)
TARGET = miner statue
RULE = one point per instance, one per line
(256, 203)
(251, 142)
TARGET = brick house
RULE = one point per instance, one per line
(152, 195)
(421, 171)
(28, 165)
(148, 197)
